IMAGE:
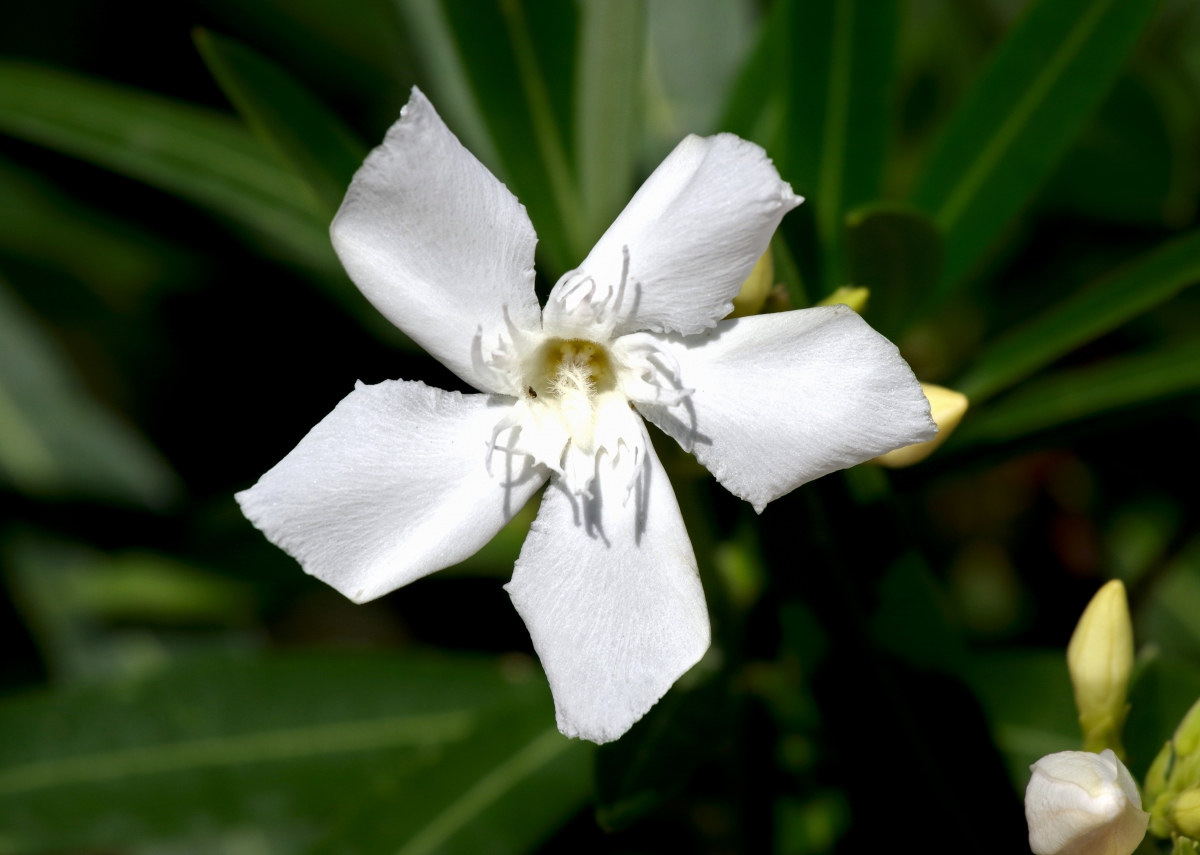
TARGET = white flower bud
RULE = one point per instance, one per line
(1100, 658)
(1079, 803)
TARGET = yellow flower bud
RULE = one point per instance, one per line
(855, 298)
(1187, 735)
(1185, 812)
(947, 408)
(756, 287)
(1100, 658)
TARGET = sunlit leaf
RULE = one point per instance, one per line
(754, 107)
(409, 754)
(896, 251)
(297, 128)
(842, 56)
(1074, 394)
(445, 78)
(519, 57)
(608, 77)
(1135, 288)
(695, 50)
(55, 440)
(1029, 105)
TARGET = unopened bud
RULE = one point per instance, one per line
(1100, 658)
(1185, 813)
(849, 295)
(1078, 802)
(1187, 735)
(755, 289)
(947, 408)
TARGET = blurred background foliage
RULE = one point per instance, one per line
(1015, 182)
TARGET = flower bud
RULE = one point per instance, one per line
(1079, 803)
(947, 408)
(1100, 658)
(755, 289)
(849, 295)
(1185, 812)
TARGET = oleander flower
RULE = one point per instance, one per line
(401, 479)
(1080, 803)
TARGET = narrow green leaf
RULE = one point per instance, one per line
(695, 50)
(839, 111)
(610, 59)
(445, 78)
(290, 122)
(761, 79)
(98, 616)
(1029, 105)
(1119, 297)
(56, 440)
(523, 85)
(354, 754)
(896, 251)
(201, 155)
(198, 154)
(1075, 394)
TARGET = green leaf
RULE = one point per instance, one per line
(608, 77)
(292, 124)
(1032, 100)
(839, 112)
(358, 754)
(1027, 697)
(117, 261)
(1128, 292)
(98, 616)
(695, 50)
(1070, 395)
(445, 78)
(896, 251)
(760, 80)
(1123, 166)
(198, 154)
(519, 62)
(1170, 616)
(1164, 691)
(655, 759)
(54, 439)
(914, 621)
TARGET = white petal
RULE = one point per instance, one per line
(391, 486)
(785, 398)
(609, 591)
(1078, 803)
(694, 231)
(436, 243)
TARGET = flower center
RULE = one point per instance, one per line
(570, 370)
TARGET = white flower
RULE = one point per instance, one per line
(1079, 803)
(401, 480)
